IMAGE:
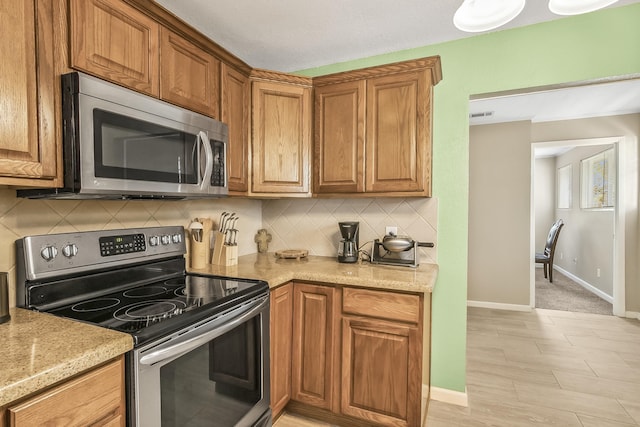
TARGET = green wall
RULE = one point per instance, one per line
(586, 47)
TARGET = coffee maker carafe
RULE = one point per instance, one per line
(348, 246)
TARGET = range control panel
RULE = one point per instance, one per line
(126, 244)
(50, 255)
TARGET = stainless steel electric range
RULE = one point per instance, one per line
(201, 343)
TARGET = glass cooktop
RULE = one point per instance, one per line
(161, 307)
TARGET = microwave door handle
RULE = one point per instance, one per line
(208, 161)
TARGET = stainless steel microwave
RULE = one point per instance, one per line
(120, 144)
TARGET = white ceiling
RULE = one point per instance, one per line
(290, 35)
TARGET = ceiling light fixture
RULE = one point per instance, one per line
(573, 7)
(483, 15)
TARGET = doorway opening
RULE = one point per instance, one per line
(503, 128)
(587, 255)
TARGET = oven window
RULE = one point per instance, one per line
(217, 383)
(128, 148)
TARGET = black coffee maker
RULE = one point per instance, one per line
(348, 246)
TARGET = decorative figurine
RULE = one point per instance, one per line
(262, 238)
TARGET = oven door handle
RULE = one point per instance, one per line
(185, 346)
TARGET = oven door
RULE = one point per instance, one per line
(215, 373)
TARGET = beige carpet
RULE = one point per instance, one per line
(565, 294)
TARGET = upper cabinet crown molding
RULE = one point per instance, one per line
(258, 74)
(431, 63)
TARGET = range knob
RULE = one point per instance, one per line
(177, 238)
(70, 250)
(154, 241)
(48, 253)
(165, 239)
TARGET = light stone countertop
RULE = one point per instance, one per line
(328, 270)
(38, 350)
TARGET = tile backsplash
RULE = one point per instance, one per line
(293, 223)
(23, 217)
(312, 224)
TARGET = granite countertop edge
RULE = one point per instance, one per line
(41, 350)
(275, 272)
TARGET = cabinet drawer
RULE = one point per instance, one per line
(381, 304)
(95, 398)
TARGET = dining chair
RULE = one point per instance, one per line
(546, 257)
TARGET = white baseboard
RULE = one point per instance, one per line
(632, 315)
(586, 285)
(445, 395)
(498, 306)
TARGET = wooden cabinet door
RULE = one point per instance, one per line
(281, 322)
(235, 101)
(112, 40)
(281, 122)
(27, 90)
(95, 398)
(189, 76)
(314, 347)
(339, 138)
(381, 375)
(398, 154)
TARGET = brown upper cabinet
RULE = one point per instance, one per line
(281, 134)
(189, 76)
(116, 42)
(235, 103)
(369, 133)
(373, 130)
(339, 137)
(28, 150)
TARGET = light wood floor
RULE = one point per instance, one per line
(544, 368)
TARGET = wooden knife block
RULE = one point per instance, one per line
(223, 254)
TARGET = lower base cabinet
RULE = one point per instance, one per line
(95, 398)
(314, 345)
(281, 318)
(380, 372)
(356, 355)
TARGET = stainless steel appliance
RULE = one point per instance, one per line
(201, 352)
(397, 250)
(348, 246)
(118, 143)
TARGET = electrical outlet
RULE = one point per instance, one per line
(390, 230)
(597, 272)
(561, 255)
(575, 260)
